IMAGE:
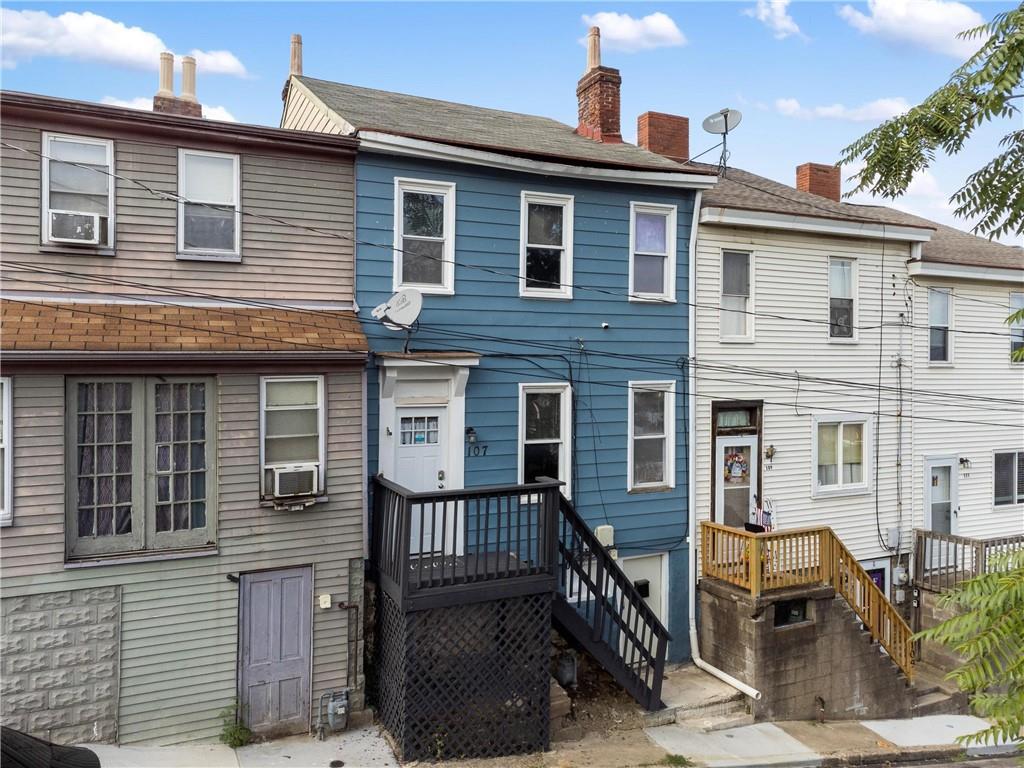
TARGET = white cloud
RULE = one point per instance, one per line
(929, 24)
(620, 31)
(90, 37)
(774, 14)
(875, 111)
(146, 104)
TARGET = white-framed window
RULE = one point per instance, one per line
(209, 212)
(141, 460)
(545, 433)
(651, 447)
(652, 252)
(842, 298)
(6, 453)
(1017, 328)
(424, 236)
(841, 454)
(940, 320)
(1008, 478)
(737, 306)
(292, 431)
(545, 246)
(77, 191)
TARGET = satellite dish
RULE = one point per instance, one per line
(723, 121)
(400, 311)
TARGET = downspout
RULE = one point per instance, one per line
(691, 469)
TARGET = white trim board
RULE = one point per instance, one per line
(964, 272)
(764, 220)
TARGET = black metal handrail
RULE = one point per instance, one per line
(620, 628)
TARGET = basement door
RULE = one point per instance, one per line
(275, 617)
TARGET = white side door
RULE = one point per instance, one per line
(942, 505)
(736, 462)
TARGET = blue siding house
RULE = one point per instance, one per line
(553, 263)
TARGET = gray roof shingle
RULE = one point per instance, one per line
(368, 109)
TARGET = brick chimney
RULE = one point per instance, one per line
(820, 179)
(598, 95)
(667, 135)
(165, 101)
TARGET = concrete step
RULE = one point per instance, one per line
(729, 704)
(718, 722)
(936, 703)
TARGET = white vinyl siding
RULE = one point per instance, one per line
(209, 213)
(652, 252)
(291, 426)
(736, 316)
(651, 446)
(940, 321)
(545, 246)
(424, 236)
(545, 433)
(77, 199)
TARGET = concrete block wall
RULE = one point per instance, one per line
(930, 613)
(826, 666)
(60, 657)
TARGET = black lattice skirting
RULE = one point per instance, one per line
(465, 681)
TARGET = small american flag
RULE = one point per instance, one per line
(764, 515)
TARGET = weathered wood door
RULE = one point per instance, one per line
(274, 666)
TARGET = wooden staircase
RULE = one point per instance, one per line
(598, 609)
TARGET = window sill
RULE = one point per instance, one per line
(426, 290)
(833, 493)
(652, 299)
(271, 504)
(76, 250)
(7, 522)
(546, 296)
(651, 489)
(736, 340)
(832, 340)
(151, 556)
(231, 258)
(1017, 507)
(940, 363)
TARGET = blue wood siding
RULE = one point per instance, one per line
(486, 304)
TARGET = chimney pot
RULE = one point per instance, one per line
(598, 96)
(820, 179)
(188, 79)
(667, 135)
(296, 62)
(593, 48)
(166, 88)
(165, 101)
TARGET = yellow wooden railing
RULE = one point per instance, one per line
(805, 556)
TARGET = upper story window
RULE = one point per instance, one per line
(652, 257)
(77, 190)
(940, 313)
(651, 435)
(424, 236)
(1008, 478)
(141, 452)
(545, 433)
(545, 245)
(737, 322)
(839, 453)
(292, 427)
(842, 298)
(6, 478)
(209, 215)
(1017, 328)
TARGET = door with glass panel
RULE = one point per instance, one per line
(941, 503)
(736, 462)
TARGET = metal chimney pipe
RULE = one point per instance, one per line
(166, 88)
(593, 48)
(296, 63)
(188, 79)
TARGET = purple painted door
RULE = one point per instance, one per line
(274, 626)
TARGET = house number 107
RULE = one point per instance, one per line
(476, 450)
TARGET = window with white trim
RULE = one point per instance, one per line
(6, 454)
(292, 421)
(424, 236)
(77, 191)
(842, 293)
(545, 433)
(652, 252)
(840, 453)
(141, 458)
(651, 446)
(1008, 478)
(209, 214)
(737, 280)
(940, 313)
(1016, 328)
(545, 244)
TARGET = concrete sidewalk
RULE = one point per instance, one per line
(808, 745)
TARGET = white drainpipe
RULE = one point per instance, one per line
(691, 473)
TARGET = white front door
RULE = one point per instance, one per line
(941, 503)
(421, 451)
(736, 462)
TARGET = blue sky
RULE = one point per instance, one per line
(809, 77)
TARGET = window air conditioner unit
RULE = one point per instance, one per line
(74, 227)
(296, 480)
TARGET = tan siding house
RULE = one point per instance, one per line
(183, 425)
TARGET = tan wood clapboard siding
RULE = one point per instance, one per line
(279, 260)
(179, 617)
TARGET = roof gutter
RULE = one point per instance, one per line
(393, 144)
(737, 217)
(965, 272)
